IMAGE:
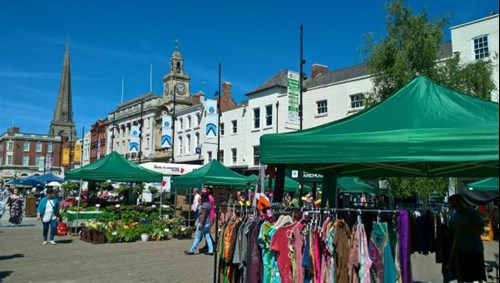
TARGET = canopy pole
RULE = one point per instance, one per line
(78, 206)
(161, 197)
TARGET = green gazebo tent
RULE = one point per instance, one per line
(357, 185)
(424, 129)
(213, 173)
(113, 167)
(489, 184)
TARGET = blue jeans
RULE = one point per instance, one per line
(205, 231)
(52, 225)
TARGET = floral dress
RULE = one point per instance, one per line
(16, 210)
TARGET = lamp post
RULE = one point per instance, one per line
(302, 62)
(218, 113)
(174, 119)
(140, 131)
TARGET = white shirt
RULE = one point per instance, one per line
(49, 211)
(196, 202)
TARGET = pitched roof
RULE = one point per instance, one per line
(278, 80)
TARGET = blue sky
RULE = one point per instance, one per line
(111, 40)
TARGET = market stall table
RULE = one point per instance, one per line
(83, 215)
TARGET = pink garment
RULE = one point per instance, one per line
(298, 246)
(212, 207)
(366, 263)
(317, 256)
(280, 243)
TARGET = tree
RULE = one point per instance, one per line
(411, 48)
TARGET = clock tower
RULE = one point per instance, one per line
(176, 83)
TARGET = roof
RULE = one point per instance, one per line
(278, 80)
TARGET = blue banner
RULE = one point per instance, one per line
(211, 122)
(134, 139)
(166, 131)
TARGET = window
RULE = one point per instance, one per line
(269, 115)
(181, 124)
(481, 49)
(234, 155)
(188, 144)
(26, 146)
(50, 147)
(221, 156)
(322, 106)
(198, 119)
(180, 151)
(256, 155)
(356, 101)
(196, 141)
(256, 118)
(209, 153)
(188, 126)
(39, 161)
(39, 147)
(9, 160)
(26, 160)
(147, 143)
(10, 145)
(234, 125)
(221, 129)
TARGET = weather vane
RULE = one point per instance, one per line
(176, 44)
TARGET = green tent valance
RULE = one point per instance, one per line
(113, 167)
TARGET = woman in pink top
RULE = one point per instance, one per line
(212, 217)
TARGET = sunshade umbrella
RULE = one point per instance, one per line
(25, 182)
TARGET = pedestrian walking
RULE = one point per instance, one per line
(203, 224)
(16, 205)
(196, 202)
(48, 212)
(211, 199)
(4, 195)
(467, 252)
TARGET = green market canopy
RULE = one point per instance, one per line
(357, 185)
(213, 173)
(482, 191)
(489, 184)
(424, 129)
(116, 168)
(290, 185)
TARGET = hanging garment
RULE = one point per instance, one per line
(381, 255)
(365, 262)
(283, 244)
(255, 265)
(354, 255)
(403, 247)
(341, 243)
(264, 242)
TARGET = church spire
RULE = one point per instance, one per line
(62, 124)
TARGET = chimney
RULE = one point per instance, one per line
(12, 131)
(226, 89)
(317, 70)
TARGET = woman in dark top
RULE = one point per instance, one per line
(203, 224)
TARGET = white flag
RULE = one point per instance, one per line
(211, 122)
(166, 131)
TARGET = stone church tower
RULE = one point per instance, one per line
(62, 124)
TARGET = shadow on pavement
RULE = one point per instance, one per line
(4, 274)
(67, 241)
(6, 257)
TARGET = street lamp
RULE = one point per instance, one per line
(302, 62)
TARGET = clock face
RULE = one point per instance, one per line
(181, 88)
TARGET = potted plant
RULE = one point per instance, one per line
(145, 237)
(158, 234)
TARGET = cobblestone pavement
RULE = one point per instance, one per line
(23, 258)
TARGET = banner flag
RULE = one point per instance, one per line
(48, 161)
(134, 139)
(78, 153)
(65, 160)
(293, 92)
(211, 122)
(166, 131)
